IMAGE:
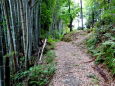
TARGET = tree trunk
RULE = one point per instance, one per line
(12, 24)
(81, 14)
(7, 72)
(1, 59)
(6, 13)
(23, 25)
(71, 19)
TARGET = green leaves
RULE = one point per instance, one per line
(64, 14)
(50, 55)
(102, 46)
(40, 75)
(37, 75)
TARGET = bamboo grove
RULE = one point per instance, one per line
(23, 26)
(19, 31)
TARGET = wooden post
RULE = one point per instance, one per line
(43, 49)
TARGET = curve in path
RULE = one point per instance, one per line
(71, 69)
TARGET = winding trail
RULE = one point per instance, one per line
(71, 67)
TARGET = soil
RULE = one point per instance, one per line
(73, 66)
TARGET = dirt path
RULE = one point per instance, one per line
(71, 69)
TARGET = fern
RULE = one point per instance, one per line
(102, 45)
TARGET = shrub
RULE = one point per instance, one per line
(102, 45)
(39, 75)
(49, 56)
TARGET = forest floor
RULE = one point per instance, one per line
(73, 66)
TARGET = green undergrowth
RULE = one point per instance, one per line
(102, 45)
(50, 44)
(41, 74)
